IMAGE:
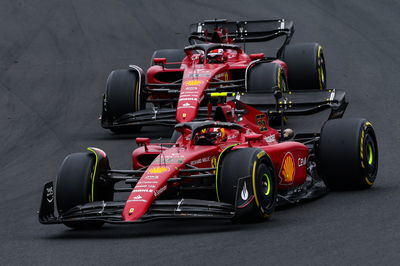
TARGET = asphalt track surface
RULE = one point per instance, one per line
(54, 60)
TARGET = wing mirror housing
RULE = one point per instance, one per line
(257, 56)
(143, 142)
(253, 137)
(160, 61)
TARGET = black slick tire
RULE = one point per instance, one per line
(123, 95)
(348, 154)
(74, 187)
(246, 162)
(306, 66)
(265, 77)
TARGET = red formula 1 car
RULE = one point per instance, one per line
(238, 169)
(175, 88)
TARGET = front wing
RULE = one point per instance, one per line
(110, 211)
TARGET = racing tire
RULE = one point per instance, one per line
(265, 78)
(123, 95)
(172, 55)
(246, 162)
(347, 154)
(306, 66)
(74, 187)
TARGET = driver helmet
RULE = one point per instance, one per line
(209, 136)
(216, 56)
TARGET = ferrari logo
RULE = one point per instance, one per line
(287, 169)
(193, 82)
(158, 170)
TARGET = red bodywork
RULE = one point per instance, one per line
(289, 158)
(196, 73)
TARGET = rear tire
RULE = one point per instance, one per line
(172, 56)
(348, 154)
(74, 187)
(123, 95)
(256, 164)
(265, 77)
(306, 66)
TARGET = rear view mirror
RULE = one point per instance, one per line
(257, 56)
(160, 61)
(143, 142)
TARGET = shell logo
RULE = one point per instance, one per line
(288, 169)
(158, 170)
(193, 82)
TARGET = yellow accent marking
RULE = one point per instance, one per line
(219, 94)
(214, 162)
(320, 70)
(261, 153)
(362, 145)
(94, 173)
(184, 115)
(279, 79)
(254, 183)
(369, 182)
(371, 155)
(193, 82)
(269, 185)
(137, 97)
(368, 123)
(158, 170)
(217, 167)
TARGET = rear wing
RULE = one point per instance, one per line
(242, 31)
(298, 103)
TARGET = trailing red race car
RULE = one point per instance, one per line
(175, 88)
(239, 169)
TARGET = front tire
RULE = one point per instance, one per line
(75, 186)
(123, 95)
(348, 154)
(246, 162)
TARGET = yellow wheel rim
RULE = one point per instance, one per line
(268, 184)
(370, 154)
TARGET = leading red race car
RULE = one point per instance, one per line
(238, 169)
(175, 88)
